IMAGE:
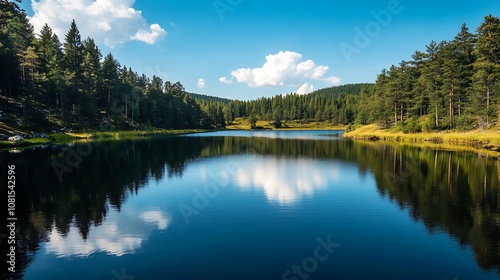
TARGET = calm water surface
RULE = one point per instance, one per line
(256, 205)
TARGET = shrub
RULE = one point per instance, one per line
(428, 124)
(253, 122)
(412, 126)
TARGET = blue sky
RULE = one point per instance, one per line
(245, 49)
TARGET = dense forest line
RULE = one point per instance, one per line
(336, 105)
(46, 80)
(451, 85)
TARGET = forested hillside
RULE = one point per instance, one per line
(336, 105)
(46, 83)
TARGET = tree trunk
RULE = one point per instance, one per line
(452, 92)
(396, 112)
(488, 97)
(487, 105)
(437, 117)
(126, 106)
(62, 101)
(401, 111)
(459, 109)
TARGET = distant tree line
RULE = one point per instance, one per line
(337, 105)
(84, 89)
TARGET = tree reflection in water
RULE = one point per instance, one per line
(454, 192)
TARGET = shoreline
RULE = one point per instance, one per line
(68, 137)
(488, 141)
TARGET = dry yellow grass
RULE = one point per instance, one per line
(489, 139)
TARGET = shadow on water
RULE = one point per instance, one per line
(454, 192)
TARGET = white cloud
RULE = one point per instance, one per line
(305, 89)
(155, 34)
(111, 22)
(332, 80)
(201, 83)
(284, 69)
(225, 80)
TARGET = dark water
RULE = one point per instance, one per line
(278, 205)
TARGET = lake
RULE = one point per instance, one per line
(255, 205)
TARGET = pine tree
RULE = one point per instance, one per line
(108, 85)
(29, 76)
(394, 90)
(432, 79)
(89, 68)
(487, 67)
(419, 93)
(465, 43)
(16, 35)
(72, 67)
(49, 54)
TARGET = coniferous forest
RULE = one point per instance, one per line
(449, 85)
(70, 81)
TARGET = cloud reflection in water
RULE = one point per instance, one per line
(285, 180)
(121, 233)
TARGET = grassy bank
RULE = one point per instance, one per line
(60, 138)
(486, 139)
(121, 135)
(244, 124)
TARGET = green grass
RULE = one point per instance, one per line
(130, 133)
(24, 143)
(244, 124)
(143, 133)
(60, 138)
